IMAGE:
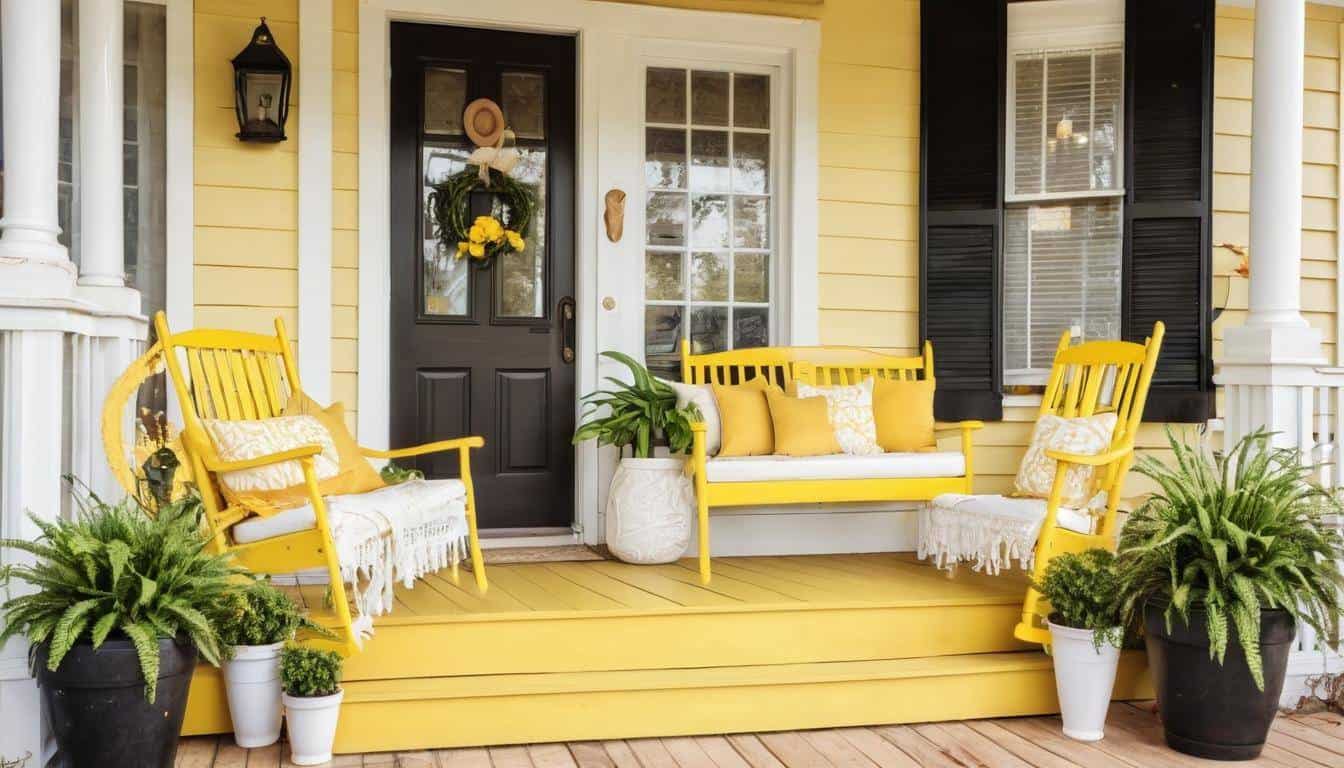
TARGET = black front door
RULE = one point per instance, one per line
(483, 351)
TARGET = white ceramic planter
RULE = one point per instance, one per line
(252, 679)
(649, 511)
(312, 726)
(1084, 676)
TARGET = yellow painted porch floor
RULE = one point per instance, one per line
(1133, 740)
(558, 652)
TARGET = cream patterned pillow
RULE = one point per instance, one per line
(249, 439)
(1087, 435)
(850, 409)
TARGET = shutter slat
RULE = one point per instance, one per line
(1169, 62)
(962, 146)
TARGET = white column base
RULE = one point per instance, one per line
(1268, 372)
(1273, 344)
(114, 298)
(33, 269)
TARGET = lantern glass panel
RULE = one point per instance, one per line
(262, 93)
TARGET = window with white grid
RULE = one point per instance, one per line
(1063, 223)
(709, 173)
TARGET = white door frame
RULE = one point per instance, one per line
(604, 30)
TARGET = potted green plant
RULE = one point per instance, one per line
(122, 607)
(651, 501)
(312, 696)
(255, 623)
(1085, 636)
(1218, 566)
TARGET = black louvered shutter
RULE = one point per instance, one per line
(1168, 213)
(961, 201)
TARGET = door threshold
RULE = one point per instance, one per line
(498, 538)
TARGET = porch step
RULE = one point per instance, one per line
(479, 710)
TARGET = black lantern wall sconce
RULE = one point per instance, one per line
(261, 82)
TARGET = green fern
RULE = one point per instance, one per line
(115, 571)
(1233, 533)
(1081, 590)
(636, 413)
(310, 672)
(262, 615)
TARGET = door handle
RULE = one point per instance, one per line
(566, 310)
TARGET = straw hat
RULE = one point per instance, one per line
(484, 122)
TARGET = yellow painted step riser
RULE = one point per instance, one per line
(442, 723)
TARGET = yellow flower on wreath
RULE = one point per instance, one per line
(491, 229)
(477, 250)
(476, 234)
(462, 247)
(516, 241)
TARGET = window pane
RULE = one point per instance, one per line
(1028, 131)
(709, 277)
(709, 161)
(751, 101)
(751, 162)
(520, 282)
(662, 276)
(1061, 271)
(662, 340)
(666, 215)
(751, 277)
(751, 327)
(524, 103)
(445, 98)
(665, 158)
(709, 330)
(709, 98)
(665, 95)
(709, 221)
(445, 279)
(1110, 83)
(751, 222)
(1068, 122)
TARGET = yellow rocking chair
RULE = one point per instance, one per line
(235, 376)
(1092, 378)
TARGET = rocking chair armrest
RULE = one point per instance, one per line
(950, 426)
(1097, 460)
(420, 450)
(302, 452)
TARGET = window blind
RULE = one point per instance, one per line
(1066, 121)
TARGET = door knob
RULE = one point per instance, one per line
(608, 303)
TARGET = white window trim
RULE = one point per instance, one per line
(602, 29)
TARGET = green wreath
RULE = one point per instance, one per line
(485, 237)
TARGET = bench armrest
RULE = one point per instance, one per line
(460, 443)
(1097, 460)
(302, 452)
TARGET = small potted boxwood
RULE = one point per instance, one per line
(255, 623)
(312, 698)
(1218, 566)
(1085, 636)
(122, 607)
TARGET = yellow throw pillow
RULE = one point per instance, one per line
(903, 411)
(1086, 435)
(359, 474)
(801, 425)
(745, 415)
(851, 413)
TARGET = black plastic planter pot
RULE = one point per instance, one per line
(95, 704)
(1211, 710)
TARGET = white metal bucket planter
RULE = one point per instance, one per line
(252, 680)
(312, 726)
(1084, 676)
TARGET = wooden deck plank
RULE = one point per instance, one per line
(510, 579)
(1328, 742)
(196, 753)
(472, 601)
(872, 587)
(721, 751)
(621, 755)
(229, 754)
(678, 592)
(626, 595)
(794, 751)
(687, 752)
(265, 757)
(958, 740)
(510, 757)
(415, 760)
(1033, 753)
(876, 748)
(725, 585)
(550, 756)
(1133, 734)
(477, 757)
(927, 754)
(799, 590)
(652, 753)
(572, 595)
(1077, 752)
(753, 751)
(892, 567)
(590, 754)
(838, 750)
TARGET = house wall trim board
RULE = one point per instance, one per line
(315, 196)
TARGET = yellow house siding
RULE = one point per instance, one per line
(246, 195)
(345, 207)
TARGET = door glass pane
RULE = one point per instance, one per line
(751, 222)
(524, 103)
(665, 158)
(709, 221)
(709, 277)
(751, 101)
(662, 276)
(665, 95)
(751, 327)
(709, 330)
(751, 277)
(446, 279)
(709, 161)
(751, 162)
(666, 214)
(445, 98)
(520, 279)
(709, 98)
(662, 339)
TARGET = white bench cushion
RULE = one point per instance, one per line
(990, 530)
(257, 528)
(882, 466)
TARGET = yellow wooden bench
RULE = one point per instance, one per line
(823, 366)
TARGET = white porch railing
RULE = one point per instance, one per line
(1316, 429)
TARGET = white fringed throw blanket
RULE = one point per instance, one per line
(990, 530)
(397, 533)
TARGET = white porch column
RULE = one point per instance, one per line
(102, 273)
(1269, 360)
(32, 262)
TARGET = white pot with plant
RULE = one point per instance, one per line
(1085, 636)
(256, 622)
(651, 501)
(312, 698)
